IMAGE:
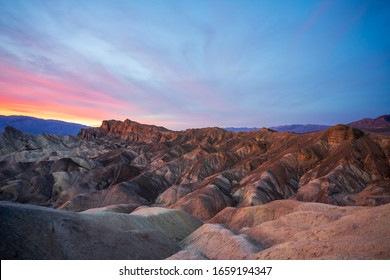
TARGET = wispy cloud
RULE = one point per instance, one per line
(195, 63)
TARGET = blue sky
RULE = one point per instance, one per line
(185, 64)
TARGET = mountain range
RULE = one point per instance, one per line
(296, 128)
(202, 193)
(377, 125)
(40, 126)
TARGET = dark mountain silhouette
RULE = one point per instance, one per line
(40, 126)
(295, 128)
(300, 128)
(379, 125)
(241, 129)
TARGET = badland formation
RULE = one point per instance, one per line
(127, 190)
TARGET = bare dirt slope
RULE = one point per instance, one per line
(292, 230)
(33, 232)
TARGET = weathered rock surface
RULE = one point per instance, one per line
(214, 241)
(200, 171)
(359, 235)
(292, 230)
(256, 184)
(33, 232)
(128, 130)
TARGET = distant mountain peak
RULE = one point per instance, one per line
(300, 128)
(380, 124)
(12, 131)
(295, 128)
(241, 129)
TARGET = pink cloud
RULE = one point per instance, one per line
(23, 91)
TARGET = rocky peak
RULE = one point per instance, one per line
(13, 132)
(128, 130)
(340, 133)
(378, 125)
(265, 129)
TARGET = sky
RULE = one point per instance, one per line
(192, 63)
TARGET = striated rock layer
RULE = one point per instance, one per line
(128, 130)
(256, 178)
(200, 171)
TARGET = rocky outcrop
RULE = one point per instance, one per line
(128, 130)
(341, 133)
(327, 234)
(292, 230)
(239, 180)
(200, 171)
(16, 146)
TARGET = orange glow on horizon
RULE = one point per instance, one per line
(54, 116)
(36, 95)
(30, 94)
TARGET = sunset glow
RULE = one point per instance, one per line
(185, 64)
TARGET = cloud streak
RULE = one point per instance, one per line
(195, 63)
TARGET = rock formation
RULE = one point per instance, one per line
(204, 172)
(289, 229)
(128, 130)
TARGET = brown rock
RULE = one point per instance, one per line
(292, 230)
(200, 171)
(128, 130)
